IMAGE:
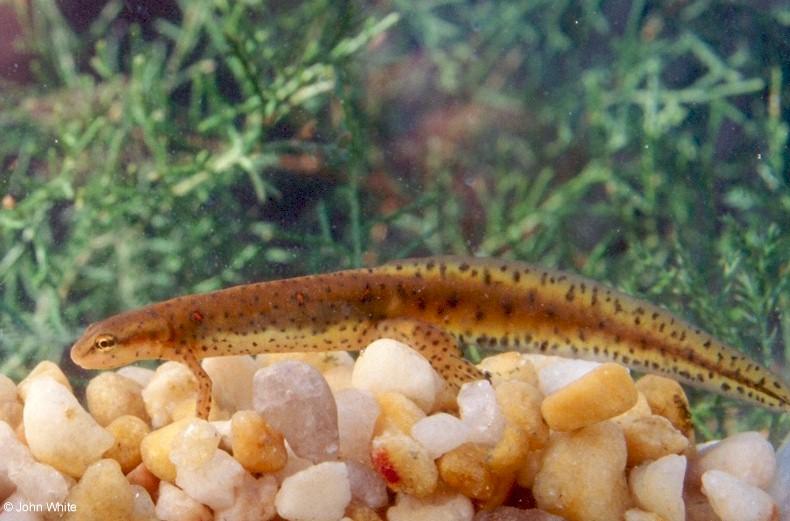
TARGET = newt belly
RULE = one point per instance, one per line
(433, 304)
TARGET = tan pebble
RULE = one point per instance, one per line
(156, 447)
(650, 438)
(359, 512)
(583, 474)
(521, 405)
(404, 464)
(603, 393)
(256, 445)
(657, 486)
(128, 431)
(398, 413)
(640, 410)
(465, 469)
(525, 475)
(667, 398)
(503, 485)
(110, 395)
(338, 378)
(102, 494)
(509, 366)
(45, 368)
(172, 384)
(140, 475)
(11, 413)
(640, 515)
(511, 453)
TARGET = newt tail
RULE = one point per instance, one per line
(434, 305)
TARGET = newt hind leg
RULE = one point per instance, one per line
(204, 384)
(436, 345)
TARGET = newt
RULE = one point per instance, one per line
(434, 305)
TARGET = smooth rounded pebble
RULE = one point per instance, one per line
(141, 375)
(285, 387)
(440, 433)
(520, 403)
(43, 369)
(747, 456)
(651, 437)
(480, 412)
(174, 504)
(110, 395)
(143, 508)
(357, 412)
(256, 445)
(583, 474)
(35, 482)
(232, 379)
(367, 486)
(780, 486)
(404, 464)
(102, 494)
(508, 367)
(445, 507)
(59, 431)
(173, 383)
(667, 398)
(299, 498)
(635, 514)
(254, 500)
(555, 373)
(603, 393)
(156, 447)
(389, 366)
(658, 487)
(195, 444)
(735, 500)
(128, 432)
(398, 413)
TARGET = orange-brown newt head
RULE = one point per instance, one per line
(123, 339)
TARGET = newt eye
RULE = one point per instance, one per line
(104, 342)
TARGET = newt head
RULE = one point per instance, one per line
(122, 339)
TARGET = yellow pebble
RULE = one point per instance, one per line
(102, 494)
(464, 468)
(603, 393)
(520, 403)
(110, 395)
(129, 432)
(650, 438)
(511, 452)
(509, 366)
(667, 398)
(256, 445)
(359, 512)
(397, 413)
(156, 446)
(404, 464)
(45, 368)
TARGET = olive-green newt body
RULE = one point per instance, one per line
(432, 304)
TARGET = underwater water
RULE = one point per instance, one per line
(156, 149)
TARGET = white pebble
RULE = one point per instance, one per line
(141, 375)
(194, 446)
(481, 413)
(212, 483)
(453, 507)
(295, 399)
(387, 365)
(440, 433)
(357, 411)
(780, 487)
(174, 504)
(143, 507)
(59, 431)
(560, 372)
(319, 493)
(735, 500)
(658, 487)
(747, 456)
(367, 485)
(232, 379)
(34, 481)
(254, 500)
(172, 383)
